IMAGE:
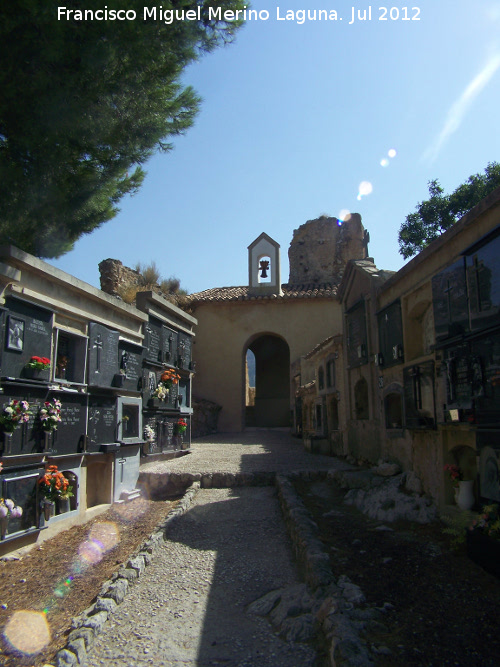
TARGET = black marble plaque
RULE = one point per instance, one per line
(184, 351)
(183, 393)
(483, 279)
(170, 341)
(457, 369)
(449, 300)
(486, 356)
(29, 438)
(103, 355)
(70, 435)
(25, 439)
(153, 340)
(102, 422)
(130, 365)
(27, 333)
(165, 433)
(172, 396)
(390, 330)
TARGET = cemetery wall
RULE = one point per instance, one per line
(432, 337)
(94, 363)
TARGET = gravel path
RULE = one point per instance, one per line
(254, 450)
(189, 607)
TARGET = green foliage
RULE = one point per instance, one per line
(438, 213)
(150, 274)
(456, 527)
(83, 105)
(172, 285)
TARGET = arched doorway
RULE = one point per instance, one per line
(268, 405)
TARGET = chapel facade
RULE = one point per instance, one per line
(276, 322)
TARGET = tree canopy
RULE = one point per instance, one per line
(438, 213)
(84, 104)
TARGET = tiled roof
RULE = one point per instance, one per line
(319, 347)
(306, 388)
(369, 267)
(224, 294)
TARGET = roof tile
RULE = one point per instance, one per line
(243, 293)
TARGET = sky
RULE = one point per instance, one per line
(295, 117)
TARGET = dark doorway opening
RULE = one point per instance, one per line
(268, 402)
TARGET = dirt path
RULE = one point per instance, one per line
(189, 608)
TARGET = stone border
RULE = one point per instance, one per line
(91, 621)
(333, 604)
(161, 485)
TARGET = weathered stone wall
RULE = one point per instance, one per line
(205, 417)
(321, 248)
(114, 275)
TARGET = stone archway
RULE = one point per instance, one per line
(271, 402)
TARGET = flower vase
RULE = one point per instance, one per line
(4, 524)
(63, 505)
(49, 509)
(46, 441)
(32, 373)
(465, 496)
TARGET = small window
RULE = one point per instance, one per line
(321, 378)
(319, 418)
(330, 373)
(264, 272)
(390, 332)
(361, 399)
(71, 357)
(357, 338)
(333, 414)
(393, 405)
(129, 419)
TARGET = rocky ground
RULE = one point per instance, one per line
(440, 608)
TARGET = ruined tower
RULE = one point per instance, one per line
(321, 248)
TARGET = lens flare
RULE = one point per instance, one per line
(392, 152)
(365, 188)
(344, 215)
(102, 537)
(27, 631)
(91, 552)
(132, 511)
(106, 534)
(384, 162)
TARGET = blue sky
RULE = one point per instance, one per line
(294, 117)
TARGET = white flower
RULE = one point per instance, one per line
(9, 503)
(3, 511)
(17, 511)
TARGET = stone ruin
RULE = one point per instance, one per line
(115, 275)
(321, 248)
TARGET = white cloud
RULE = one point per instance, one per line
(460, 107)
